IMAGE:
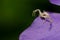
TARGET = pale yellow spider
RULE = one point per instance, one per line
(44, 15)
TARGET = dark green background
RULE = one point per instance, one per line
(15, 16)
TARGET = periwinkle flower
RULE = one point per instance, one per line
(56, 2)
(39, 30)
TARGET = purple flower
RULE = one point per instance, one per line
(56, 2)
(40, 31)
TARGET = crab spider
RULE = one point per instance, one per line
(44, 15)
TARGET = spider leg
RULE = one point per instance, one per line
(50, 21)
(44, 21)
(50, 26)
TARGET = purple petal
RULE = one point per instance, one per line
(56, 2)
(40, 31)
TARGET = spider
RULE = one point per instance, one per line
(43, 15)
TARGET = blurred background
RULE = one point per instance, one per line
(16, 16)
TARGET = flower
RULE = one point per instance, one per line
(56, 2)
(40, 30)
